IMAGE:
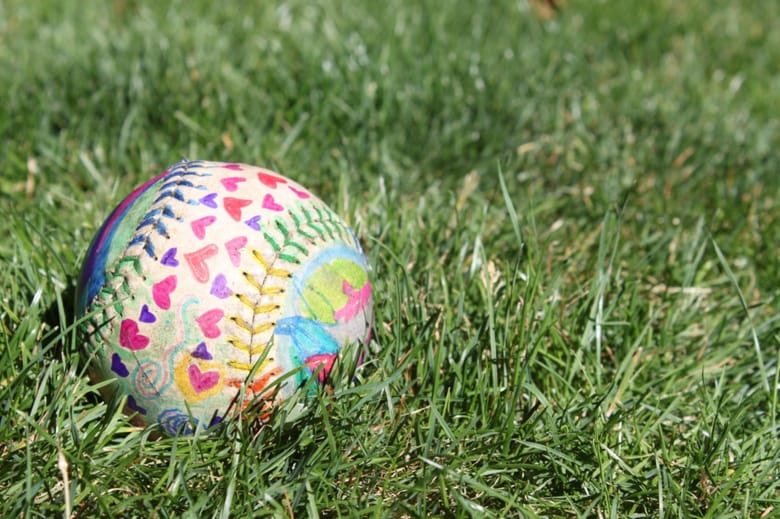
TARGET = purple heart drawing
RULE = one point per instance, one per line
(118, 367)
(169, 258)
(254, 223)
(220, 288)
(208, 200)
(201, 352)
(146, 315)
(132, 404)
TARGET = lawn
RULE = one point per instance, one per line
(572, 220)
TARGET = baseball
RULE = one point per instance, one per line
(216, 285)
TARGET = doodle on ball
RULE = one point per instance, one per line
(213, 277)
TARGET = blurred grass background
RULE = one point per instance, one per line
(572, 217)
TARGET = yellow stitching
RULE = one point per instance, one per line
(256, 308)
(243, 366)
(260, 328)
(281, 273)
(260, 259)
(252, 281)
(264, 291)
(241, 345)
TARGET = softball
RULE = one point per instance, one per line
(215, 285)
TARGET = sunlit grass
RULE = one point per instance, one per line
(572, 224)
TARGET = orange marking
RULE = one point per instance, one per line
(255, 388)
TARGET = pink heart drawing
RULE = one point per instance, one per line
(231, 183)
(130, 338)
(233, 247)
(202, 381)
(270, 203)
(199, 226)
(161, 292)
(220, 288)
(208, 323)
(325, 360)
(197, 261)
(169, 258)
(233, 167)
(233, 206)
(270, 180)
(303, 195)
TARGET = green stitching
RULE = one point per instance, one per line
(295, 245)
(298, 227)
(288, 258)
(274, 245)
(134, 262)
(282, 228)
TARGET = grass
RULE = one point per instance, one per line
(572, 223)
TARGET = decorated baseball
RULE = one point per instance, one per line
(216, 285)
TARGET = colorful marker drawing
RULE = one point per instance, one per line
(214, 277)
